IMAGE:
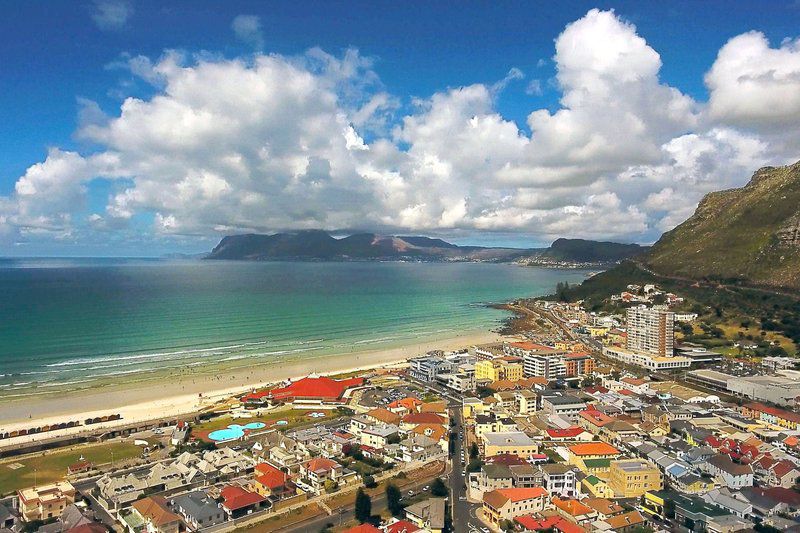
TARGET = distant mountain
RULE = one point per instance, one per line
(580, 250)
(747, 236)
(319, 245)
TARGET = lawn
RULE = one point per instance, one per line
(52, 466)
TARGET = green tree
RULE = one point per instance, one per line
(438, 488)
(363, 510)
(369, 481)
(393, 497)
(474, 451)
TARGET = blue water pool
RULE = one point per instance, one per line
(234, 431)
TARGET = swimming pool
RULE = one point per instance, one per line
(234, 431)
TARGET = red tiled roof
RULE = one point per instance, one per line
(321, 464)
(593, 448)
(595, 417)
(569, 433)
(321, 387)
(409, 403)
(499, 497)
(402, 526)
(269, 476)
(565, 526)
(532, 524)
(783, 468)
(238, 498)
(572, 507)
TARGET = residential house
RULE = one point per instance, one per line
(575, 511)
(566, 406)
(417, 448)
(508, 442)
(597, 487)
(152, 515)
(198, 510)
(507, 504)
(559, 479)
(592, 457)
(237, 501)
(732, 475)
(316, 472)
(429, 514)
(626, 522)
(46, 501)
(269, 481)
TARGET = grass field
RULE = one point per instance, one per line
(52, 466)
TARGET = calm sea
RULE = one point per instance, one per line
(68, 323)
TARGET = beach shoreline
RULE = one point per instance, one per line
(178, 395)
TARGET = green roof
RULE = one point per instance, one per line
(597, 463)
(592, 480)
(696, 507)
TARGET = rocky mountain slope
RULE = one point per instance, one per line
(748, 236)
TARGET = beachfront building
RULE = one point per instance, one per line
(547, 365)
(501, 368)
(45, 502)
(308, 390)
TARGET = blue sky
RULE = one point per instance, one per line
(56, 56)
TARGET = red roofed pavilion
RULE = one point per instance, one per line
(309, 388)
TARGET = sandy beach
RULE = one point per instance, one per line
(179, 394)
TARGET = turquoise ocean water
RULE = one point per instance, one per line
(67, 324)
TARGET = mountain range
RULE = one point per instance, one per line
(310, 245)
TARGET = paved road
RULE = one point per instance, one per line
(463, 511)
(342, 516)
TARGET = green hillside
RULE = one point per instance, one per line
(747, 236)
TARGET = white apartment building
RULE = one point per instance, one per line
(549, 366)
(650, 331)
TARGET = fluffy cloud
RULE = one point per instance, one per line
(272, 143)
(754, 85)
(111, 14)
